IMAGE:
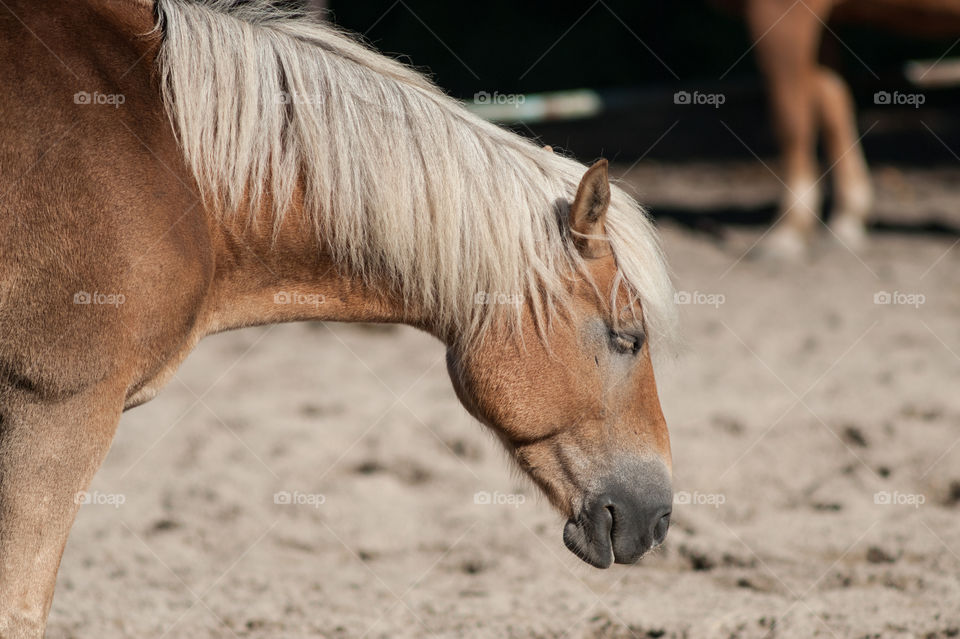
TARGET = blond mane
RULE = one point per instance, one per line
(401, 182)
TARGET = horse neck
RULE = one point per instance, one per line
(262, 277)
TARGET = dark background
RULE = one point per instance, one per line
(501, 40)
(613, 46)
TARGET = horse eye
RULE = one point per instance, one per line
(628, 344)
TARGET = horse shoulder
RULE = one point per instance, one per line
(105, 247)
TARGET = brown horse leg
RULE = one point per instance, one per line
(49, 451)
(787, 37)
(854, 194)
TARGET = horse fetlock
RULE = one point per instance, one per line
(848, 225)
(801, 205)
(855, 201)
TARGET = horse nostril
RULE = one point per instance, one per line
(626, 519)
(660, 528)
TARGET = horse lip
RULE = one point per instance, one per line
(590, 540)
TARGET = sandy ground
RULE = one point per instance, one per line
(816, 457)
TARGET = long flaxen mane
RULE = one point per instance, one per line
(401, 182)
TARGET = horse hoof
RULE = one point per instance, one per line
(849, 232)
(783, 245)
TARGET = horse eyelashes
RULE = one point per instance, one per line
(630, 344)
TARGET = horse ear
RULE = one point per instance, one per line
(589, 210)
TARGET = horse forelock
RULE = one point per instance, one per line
(401, 183)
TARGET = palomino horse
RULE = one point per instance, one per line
(804, 94)
(170, 168)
